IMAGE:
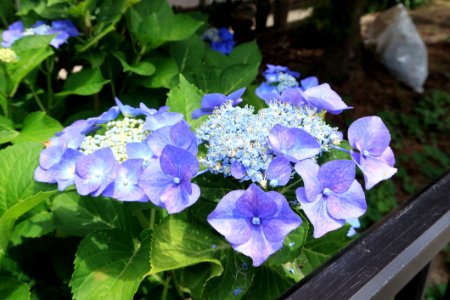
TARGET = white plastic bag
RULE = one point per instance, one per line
(400, 47)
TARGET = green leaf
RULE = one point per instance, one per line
(235, 281)
(165, 74)
(188, 53)
(12, 289)
(292, 246)
(9, 217)
(37, 127)
(7, 134)
(246, 53)
(178, 244)
(111, 11)
(317, 251)
(109, 264)
(269, 283)
(79, 216)
(3, 99)
(17, 165)
(194, 277)
(184, 99)
(32, 51)
(238, 76)
(36, 226)
(153, 23)
(143, 68)
(86, 82)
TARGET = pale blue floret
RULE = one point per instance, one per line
(237, 134)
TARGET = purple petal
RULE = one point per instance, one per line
(66, 26)
(375, 170)
(51, 156)
(256, 203)
(177, 162)
(181, 136)
(236, 96)
(235, 228)
(161, 119)
(319, 217)
(175, 199)
(309, 170)
(279, 171)
(64, 171)
(153, 182)
(351, 204)
(294, 143)
(125, 187)
(258, 247)
(43, 175)
(105, 117)
(369, 134)
(13, 33)
(267, 92)
(323, 97)
(293, 96)
(337, 175)
(309, 82)
(139, 151)
(128, 111)
(60, 39)
(237, 170)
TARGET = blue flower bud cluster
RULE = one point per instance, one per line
(238, 134)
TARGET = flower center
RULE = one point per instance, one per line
(176, 180)
(256, 221)
(365, 153)
(326, 192)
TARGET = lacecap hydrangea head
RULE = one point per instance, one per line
(243, 144)
(63, 29)
(110, 155)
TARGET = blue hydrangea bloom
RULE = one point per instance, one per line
(178, 135)
(331, 194)
(371, 138)
(220, 39)
(64, 29)
(167, 180)
(254, 222)
(272, 73)
(215, 100)
(162, 117)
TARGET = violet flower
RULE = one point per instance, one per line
(167, 180)
(323, 97)
(254, 222)
(294, 144)
(215, 100)
(375, 158)
(160, 118)
(331, 194)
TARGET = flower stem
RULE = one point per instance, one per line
(48, 73)
(341, 149)
(166, 287)
(36, 97)
(152, 219)
(142, 219)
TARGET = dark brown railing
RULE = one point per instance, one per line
(392, 259)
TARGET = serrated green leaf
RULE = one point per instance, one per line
(7, 134)
(235, 281)
(86, 82)
(246, 53)
(269, 283)
(184, 99)
(17, 165)
(178, 244)
(111, 11)
(110, 264)
(12, 289)
(80, 215)
(238, 76)
(143, 68)
(9, 217)
(37, 127)
(188, 53)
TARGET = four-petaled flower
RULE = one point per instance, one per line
(215, 100)
(331, 194)
(375, 158)
(254, 222)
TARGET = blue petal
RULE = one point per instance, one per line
(351, 204)
(337, 175)
(369, 134)
(279, 170)
(323, 97)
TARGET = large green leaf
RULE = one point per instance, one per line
(237, 76)
(17, 165)
(80, 215)
(110, 264)
(153, 23)
(32, 51)
(86, 82)
(9, 217)
(269, 283)
(178, 244)
(165, 74)
(37, 127)
(111, 11)
(317, 251)
(37, 225)
(184, 99)
(12, 289)
(7, 134)
(235, 280)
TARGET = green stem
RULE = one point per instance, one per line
(152, 218)
(128, 73)
(36, 97)
(97, 38)
(142, 219)
(111, 81)
(288, 187)
(49, 64)
(166, 287)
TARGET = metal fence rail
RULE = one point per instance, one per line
(392, 258)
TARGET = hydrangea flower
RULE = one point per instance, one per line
(220, 39)
(215, 100)
(238, 142)
(331, 194)
(167, 180)
(116, 160)
(63, 29)
(254, 222)
(371, 138)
